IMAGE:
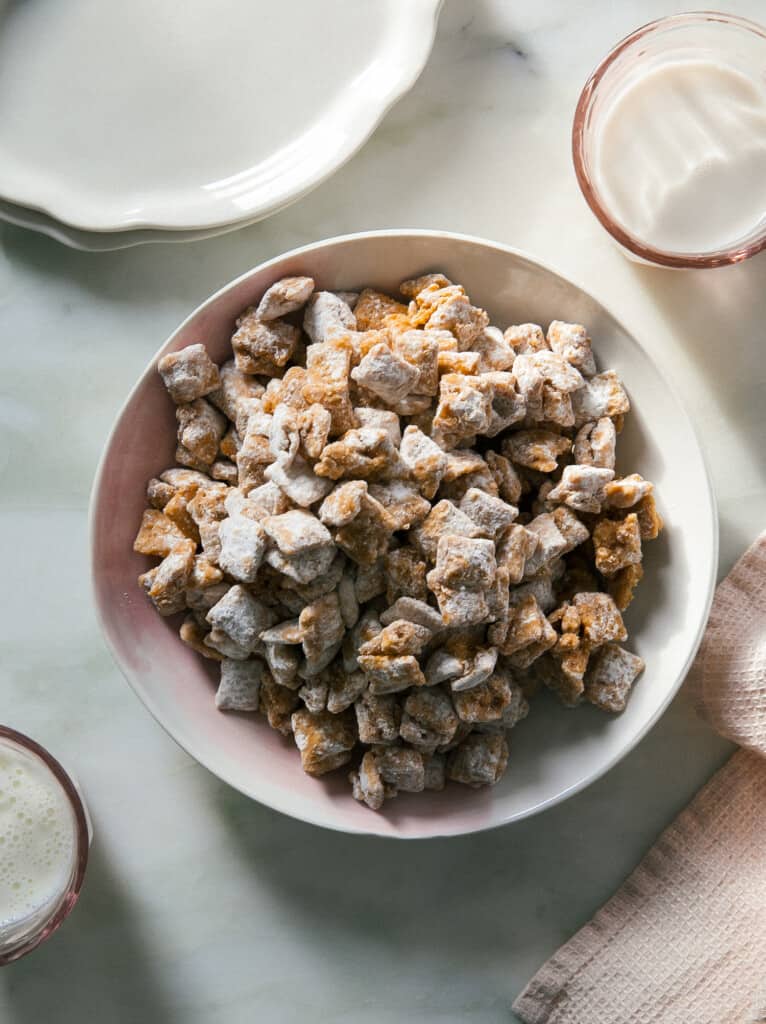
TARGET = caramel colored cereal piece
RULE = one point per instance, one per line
(444, 517)
(345, 689)
(220, 641)
(490, 514)
(284, 435)
(314, 428)
(208, 509)
(465, 563)
(157, 534)
(405, 575)
(373, 308)
(253, 459)
(193, 636)
(225, 471)
(553, 368)
(200, 429)
(465, 406)
(283, 662)
(235, 392)
(343, 503)
(263, 347)
(602, 395)
(536, 449)
(386, 374)
(627, 491)
(525, 338)
(413, 610)
(412, 288)
(158, 493)
(526, 625)
(188, 374)
(167, 582)
(551, 543)
(505, 476)
(582, 488)
(569, 526)
(477, 667)
(428, 719)
(298, 481)
(314, 692)
(424, 460)
(278, 703)
(514, 547)
(480, 760)
(467, 363)
(403, 503)
(600, 618)
(483, 703)
(366, 783)
(421, 350)
(380, 419)
(400, 637)
(364, 525)
(462, 462)
(595, 444)
(622, 585)
(243, 543)
(617, 544)
(508, 405)
(370, 581)
(390, 674)
(611, 676)
(450, 309)
(321, 625)
(240, 685)
(286, 390)
(572, 343)
(284, 633)
(285, 296)
(377, 718)
(557, 407)
(401, 768)
(327, 316)
(241, 616)
(327, 370)
(522, 659)
(296, 532)
(493, 350)
(366, 453)
(459, 607)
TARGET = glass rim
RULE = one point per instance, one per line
(648, 253)
(82, 841)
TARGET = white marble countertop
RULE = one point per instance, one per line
(201, 906)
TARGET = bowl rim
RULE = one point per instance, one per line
(438, 833)
(643, 250)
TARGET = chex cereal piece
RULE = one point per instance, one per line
(402, 501)
(443, 665)
(506, 478)
(347, 602)
(435, 771)
(480, 760)
(157, 534)
(324, 740)
(287, 632)
(240, 685)
(493, 350)
(526, 625)
(625, 492)
(458, 606)
(649, 520)
(266, 500)
(518, 709)
(401, 768)
(557, 407)
(373, 308)
(405, 575)
(600, 618)
(327, 370)
(345, 688)
(536, 449)
(235, 392)
(551, 543)
(321, 625)
(225, 646)
(369, 582)
(525, 338)
(530, 383)
(365, 537)
(508, 406)
(582, 487)
(485, 702)
(617, 544)
(283, 662)
(386, 374)
(243, 543)
(314, 692)
(458, 362)
(380, 419)
(367, 786)
(286, 390)
(621, 586)
(610, 676)
(390, 674)
(284, 434)
(263, 347)
(460, 463)
(595, 444)
(296, 532)
(572, 343)
(514, 546)
(428, 719)
(498, 597)
(188, 374)
(421, 350)
(602, 395)
(445, 517)
(464, 408)
(450, 309)
(285, 296)
(378, 718)
(527, 655)
(399, 637)
(570, 527)
(192, 634)
(463, 562)
(414, 286)
(278, 703)
(425, 461)
(490, 514)
(298, 481)
(313, 429)
(166, 583)
(553, 368)
(327, 316)
(241, 616)
(200, 429)
(413, 610)
(476, 669)
(305, 569)
(365, 453)
(225, 471)
(159, 493)
(324, 581)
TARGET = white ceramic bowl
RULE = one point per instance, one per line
(556, 751)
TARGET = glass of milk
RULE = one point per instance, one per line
(44, 839)
(669, 141)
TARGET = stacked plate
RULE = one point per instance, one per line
(154, 121)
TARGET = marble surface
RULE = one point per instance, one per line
(200, 906)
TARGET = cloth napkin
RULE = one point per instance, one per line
(683, 941)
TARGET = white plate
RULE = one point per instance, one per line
(555, 751)
(155, 114)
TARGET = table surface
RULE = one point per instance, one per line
(199, 905)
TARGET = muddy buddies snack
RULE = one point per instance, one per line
(393, 523)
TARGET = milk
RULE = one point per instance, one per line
(37, 842)
(680, 159)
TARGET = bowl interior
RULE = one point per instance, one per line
(555, 751)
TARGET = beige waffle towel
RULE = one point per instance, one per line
(683, 941)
